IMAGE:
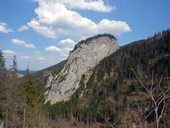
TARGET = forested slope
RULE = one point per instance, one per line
(113, 95)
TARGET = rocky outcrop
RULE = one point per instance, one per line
(85, 56)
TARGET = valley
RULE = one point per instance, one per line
(117, 91)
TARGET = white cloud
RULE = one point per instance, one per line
(61, 52)
(114, 26)
(43, 30)
(67, 42)
(55, 18)
(39, 56)
(95, 5)
(4, 28)
(33, 58)
(22, 43)
(8, 53)
(22, 28)
(65, 52)
(18, 42)
(53, 49)
(29, 45)
(36, 56)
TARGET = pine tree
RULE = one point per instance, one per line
(2, 77)
(3, 89)
(30, 102)
(14, 70)
(13, 99)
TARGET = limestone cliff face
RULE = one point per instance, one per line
(82, 59)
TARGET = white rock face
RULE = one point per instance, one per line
(80, 61)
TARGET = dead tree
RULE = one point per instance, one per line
(157, 94)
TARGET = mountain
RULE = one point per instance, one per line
(110, 93)
(42, 75)
(81, 60)
(22, 73)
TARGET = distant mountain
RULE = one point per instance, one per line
(22, 73)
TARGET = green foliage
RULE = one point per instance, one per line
(32, 97)
(3, 76)
(29, 91)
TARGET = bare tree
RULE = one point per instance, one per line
(157, 94)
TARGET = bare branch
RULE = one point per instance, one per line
(109, 122)
(152, 82)
(157, 99)
(162, 111)
(163, 96)
(139, 79)
(149, 114)
(167, 91)
(160, 81)
(167, 97)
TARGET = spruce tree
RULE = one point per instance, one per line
(3, 83)
(30, 101)
(2, 77)
(13, 97)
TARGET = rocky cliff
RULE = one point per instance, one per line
(84, 57)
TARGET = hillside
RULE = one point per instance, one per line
(42, 75)
(112, 95)
(81, 60)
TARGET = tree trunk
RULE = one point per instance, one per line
(24, 118)
(6, 118)
(157, 117)
(39, 120)
(7, 105)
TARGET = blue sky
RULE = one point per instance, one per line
(42, 32)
